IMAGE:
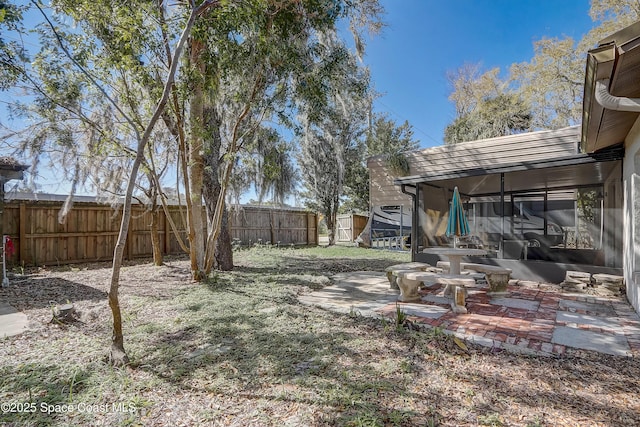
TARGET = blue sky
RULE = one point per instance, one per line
(426, 38)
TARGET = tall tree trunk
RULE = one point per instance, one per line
(197, 242)
(183, 156)
(118, 355)
(212, 189)
(196, 160)
(330, 217)
(223, 175)
(223, 249)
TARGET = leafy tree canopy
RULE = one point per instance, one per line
(543, 93)
(385, 138)
(505, 114)
(11, 52)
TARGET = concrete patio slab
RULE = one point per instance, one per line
(516, 303)
(584, 319)
(360, 292)
(422, 310)
(12, 322)
(599, 309)
(604, 343)
(362, 277)
(436, 299)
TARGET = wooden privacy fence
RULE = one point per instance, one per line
(350, 226)
(252, 224)
(90, 231)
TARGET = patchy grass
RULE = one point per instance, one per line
(240, 350)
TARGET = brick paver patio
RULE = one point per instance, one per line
(527, 319)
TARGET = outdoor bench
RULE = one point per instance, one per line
(392, 271)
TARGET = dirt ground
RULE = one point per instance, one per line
(239, 350)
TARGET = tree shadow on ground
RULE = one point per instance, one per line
(337, 265)
(572, 385)
(246, 334)
(241, 353)
(44, 292)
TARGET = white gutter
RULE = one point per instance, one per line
(616, 103)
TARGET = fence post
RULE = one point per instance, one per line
(167, 233)
(22, 233)
(272, 234)
(353, 228)
(127, 248)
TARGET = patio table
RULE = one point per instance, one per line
(455, 255)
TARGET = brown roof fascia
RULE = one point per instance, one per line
(623, 36)
(604, 62)
(600, 62)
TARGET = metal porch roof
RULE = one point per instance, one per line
(577, 170)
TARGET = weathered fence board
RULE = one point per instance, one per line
(90, 230)
(350, 226)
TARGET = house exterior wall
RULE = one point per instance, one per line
(382, 192)
(631, 215)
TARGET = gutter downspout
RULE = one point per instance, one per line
(414, 218)
(615, 103)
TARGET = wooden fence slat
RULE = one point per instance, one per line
(22, 239)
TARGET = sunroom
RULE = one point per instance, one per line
(534, 203)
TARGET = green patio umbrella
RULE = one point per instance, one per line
(457, 224)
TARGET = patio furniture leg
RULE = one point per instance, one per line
(458, 304)
(498, 283)
(448, 291)
(392, 280)
(408, 289)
